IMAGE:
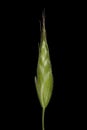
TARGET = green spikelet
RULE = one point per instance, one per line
(44, 78)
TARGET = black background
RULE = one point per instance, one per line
(21, 26)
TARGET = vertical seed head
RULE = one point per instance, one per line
(44, 78)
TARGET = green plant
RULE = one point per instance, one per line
(44, 78)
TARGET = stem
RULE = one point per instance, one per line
(43, 114)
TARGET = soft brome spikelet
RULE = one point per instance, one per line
(44, 78)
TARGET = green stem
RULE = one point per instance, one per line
(43, 114)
